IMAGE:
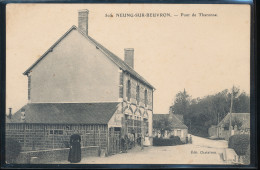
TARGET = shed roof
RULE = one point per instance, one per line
(66, 113)
(118, 61)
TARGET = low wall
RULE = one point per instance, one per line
(47, 156)
(213, 131)
(224, 134)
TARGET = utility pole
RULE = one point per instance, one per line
(230, 118)
(217, 126)
(190, 125)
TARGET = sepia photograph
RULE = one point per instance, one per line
(128, 84)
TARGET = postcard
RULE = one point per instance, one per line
(128, 84)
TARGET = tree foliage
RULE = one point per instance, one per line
(173, 140)
(162, 124)
(181, 103)
(13, 149)
(200, 113)
(239, 143)
(235, 122)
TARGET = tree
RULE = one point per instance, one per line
(13, 149)
(200, 113)
(181, 103)
(242, 103)
(162, 124)
(235, 122)
(240, 144)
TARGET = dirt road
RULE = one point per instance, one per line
(201, 151)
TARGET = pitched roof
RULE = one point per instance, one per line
(118, 61)
(69, 113)
(177, 123)
(243, 117)
(158, 117)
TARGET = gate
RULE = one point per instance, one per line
(114, 141)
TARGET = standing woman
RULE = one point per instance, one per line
(142, 142)
(126, 143)
(75, 149)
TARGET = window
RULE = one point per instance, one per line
(137, 94)
(28, 126)
(128, 90)
(29, 87)
(179, 132)
(145, 97)
(68, 127)
(56, 132)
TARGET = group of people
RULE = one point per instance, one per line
(127, 142)
(131, 140)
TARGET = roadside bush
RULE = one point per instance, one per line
(239, 143)
(173, 140)
(12, 150)
(176, 140)
(217, 138)
(246, 159)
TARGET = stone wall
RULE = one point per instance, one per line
(142, 87)
(74, 73)
(54, 155)
(213, 131)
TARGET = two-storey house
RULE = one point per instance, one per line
(79, 86)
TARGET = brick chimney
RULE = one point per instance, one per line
(22, 114)
(129, 57)
(10, 113)
(83, 20)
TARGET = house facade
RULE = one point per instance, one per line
(240, 124)
(78, 72)
(178, 128)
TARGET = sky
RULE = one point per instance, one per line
(204, 55)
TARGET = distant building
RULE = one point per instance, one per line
(178, 129)
(240, 125)
(79, 86)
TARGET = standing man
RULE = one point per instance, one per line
(190, 139)
(123, 148)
